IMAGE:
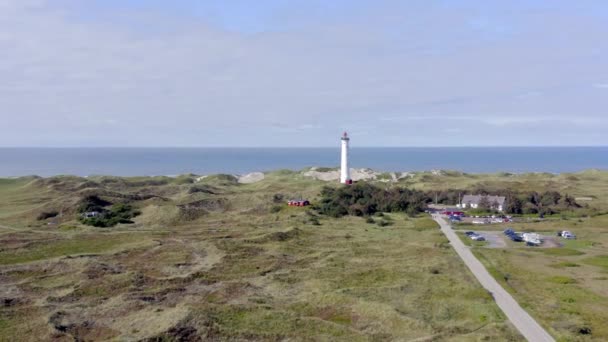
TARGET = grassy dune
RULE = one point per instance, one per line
(223, 261)
(228, 261)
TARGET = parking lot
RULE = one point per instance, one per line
(494, 239)
(497, 239)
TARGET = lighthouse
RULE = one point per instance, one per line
(344, 171)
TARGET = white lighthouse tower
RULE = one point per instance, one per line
(344, 171)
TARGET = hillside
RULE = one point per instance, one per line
(222, 259)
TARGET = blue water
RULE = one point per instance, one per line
(173, 161)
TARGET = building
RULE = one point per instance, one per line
(344, 170)
(91, 214)
(473, 201)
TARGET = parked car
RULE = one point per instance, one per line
(532, 239)
(516, 237)
(569, 236)
(509, 231)
(566, 234)
(478, 238)
(469, 233)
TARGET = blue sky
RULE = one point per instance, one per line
(298, 73)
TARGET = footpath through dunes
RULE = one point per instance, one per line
(526, 325)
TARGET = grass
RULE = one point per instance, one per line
(600, 261)
(558, 251)
(562, 280)
(561, 287)
(565, 264)
(246, 271)
(81, 244)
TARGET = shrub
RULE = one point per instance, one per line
(384, 223)
(364, 199)
(325, 169)
(46, 215)
(562, 280)
(92, 203)
(278, 198)
(118, 213)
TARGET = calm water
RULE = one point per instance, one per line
(172, 161)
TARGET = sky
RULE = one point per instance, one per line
(297, 73)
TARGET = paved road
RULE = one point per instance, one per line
(526, 325)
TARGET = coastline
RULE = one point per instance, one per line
(240, 161)
(325, 174)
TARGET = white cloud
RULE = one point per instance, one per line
(156, 76)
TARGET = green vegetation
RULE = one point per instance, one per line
(562, 280)
(227, 261)
(565, 288)
(600, 260)
(80, 244)
(210, 257)
(116, 214)
(364, 199)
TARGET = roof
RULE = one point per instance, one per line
(475, 199)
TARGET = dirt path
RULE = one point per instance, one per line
(526, 325)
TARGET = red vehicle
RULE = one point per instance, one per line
(298, 203)
(453, 213)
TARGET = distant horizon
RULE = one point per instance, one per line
(299, 147)
(144, 161)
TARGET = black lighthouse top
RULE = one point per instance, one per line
(345, 136)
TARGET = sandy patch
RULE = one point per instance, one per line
(334, 175)
(149, 322)
(253, 177)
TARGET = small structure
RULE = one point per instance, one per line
(298, 203)
(90, 214)
(473, 201)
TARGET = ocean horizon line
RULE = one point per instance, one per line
(298, 147)
(138, 161)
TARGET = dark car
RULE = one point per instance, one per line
(469, 233)
(516, 238)
(509, 232)
(478, 237)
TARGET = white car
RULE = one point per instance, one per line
(566, 234)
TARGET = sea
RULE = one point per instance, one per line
(15, 162)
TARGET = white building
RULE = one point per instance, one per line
(344, 170)
(472, 201)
